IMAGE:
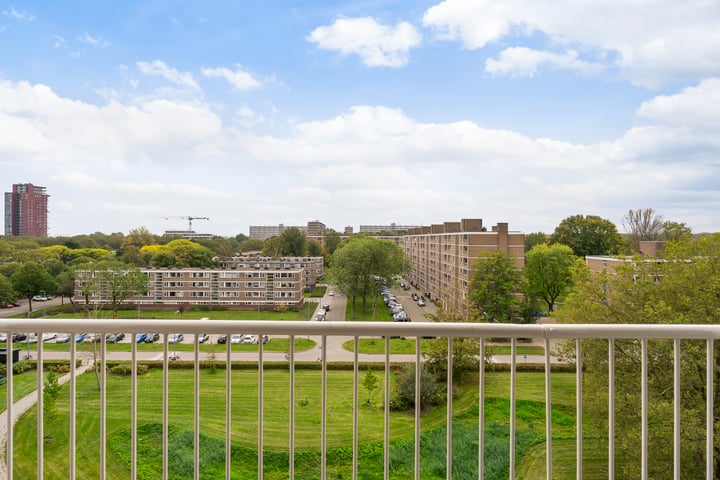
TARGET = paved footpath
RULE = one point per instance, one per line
(20, 407)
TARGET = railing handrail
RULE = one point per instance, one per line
(350, 328)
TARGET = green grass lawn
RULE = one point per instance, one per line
(244, 426)
(407, 346)
(375, 310)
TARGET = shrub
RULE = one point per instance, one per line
(404, 395)
(125, 368)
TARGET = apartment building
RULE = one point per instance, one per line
(26, 211)
(373, 229)
(314, 229)
(313, 267)
(442, 255)
(241, 288)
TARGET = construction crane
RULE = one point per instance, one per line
(190, 220)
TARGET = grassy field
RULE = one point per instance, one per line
(244, 427)
(407, 346)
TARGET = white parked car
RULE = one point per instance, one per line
(176, 338)
(237, 338)
(249, 339)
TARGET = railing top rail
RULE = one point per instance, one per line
(487, 330)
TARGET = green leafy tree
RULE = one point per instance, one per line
(536, 238)
(251, 245)
(273, 247)
(294, 242)
(547, 270)
(7, 292)
(683, 289)
(114, 282)
(358, 261)
(496, 286)
(676, 231)
(314, 249)
(332, 240)
(180, 253)
(464, 349)
(32, 279)
(51, 391)
(371, 385)
(405, 387)
(588, 235)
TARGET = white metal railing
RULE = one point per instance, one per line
(322, 331)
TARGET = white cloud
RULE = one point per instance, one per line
(93, 41)
(238, 78)
(651, 41)
(58, 41)
(369, 164)
(158, 68)
(524, 62)
(376, 44)
(18, 15)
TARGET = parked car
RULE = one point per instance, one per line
(48, 336)
(265, 339)
(203, 337)
(3, 337)
(152, 338)
(40, 298)
(249, 339)
(19, 337)
(63, 338)
(114, 337)
(176, 338)
(401, 317)
(237, 338)
(141, 337)
(222, 339)
(331, 293)
(326, 307)
(80, 337)
(421, 302)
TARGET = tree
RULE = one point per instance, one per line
(371, 385)
(642, 225)
(588, 235)
(251, 245)
(32, 279)
(113, 282)
(332, 240)
(676, 231)
(405, 387)
(51, 391)
(465, 349)
(495, 286)
(7, 292)
(683, 289)
(314, 249)
(180, 253)
(273, 247)
(358, 261)
(532, 239)
(294, 242)
(547, 270)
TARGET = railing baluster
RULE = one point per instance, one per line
(578, 408)
(73, 405)
(103, 404)
(356, 372)
(676, 408)
(133, 406)
(548, 413)
(9, 406)
(228, 407)
(196, 409)
(481, 411)
(166, 427)
(323, 414)
(644, 409)
(40, 409)
(710, 410)
(513, 383)
(261, 406)
(292, 408)
(418, 376)
(611, 409)
(448, 419)
(386, 419)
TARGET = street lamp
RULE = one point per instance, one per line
(174, 356)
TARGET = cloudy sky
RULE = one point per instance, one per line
(136, 113)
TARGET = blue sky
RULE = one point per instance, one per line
(372, 112)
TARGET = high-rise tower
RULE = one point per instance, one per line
(26, 210)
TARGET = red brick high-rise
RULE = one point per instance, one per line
(26, 211)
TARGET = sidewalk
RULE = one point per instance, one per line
(23, 405)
